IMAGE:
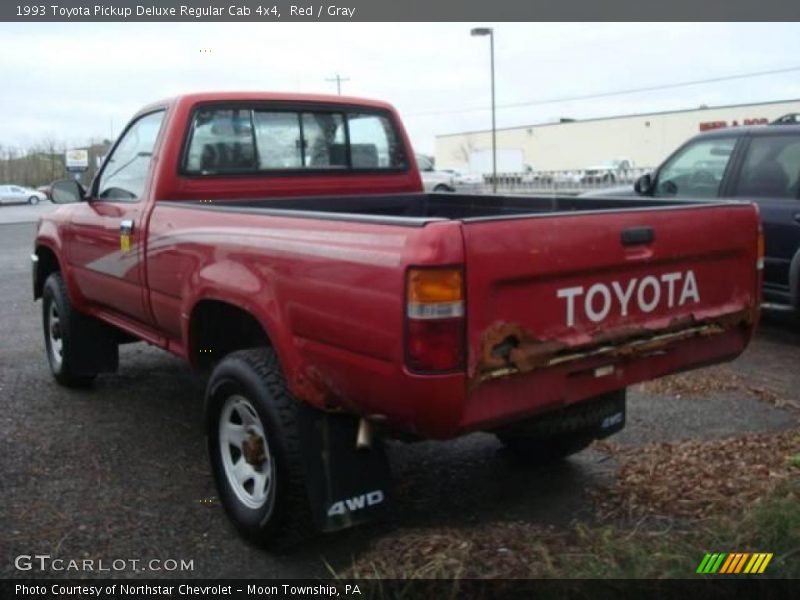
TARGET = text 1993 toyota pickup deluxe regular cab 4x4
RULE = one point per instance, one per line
(283, 244)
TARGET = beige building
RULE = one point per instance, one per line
(646, 139)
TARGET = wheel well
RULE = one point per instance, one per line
(217, 328)
(48, 264)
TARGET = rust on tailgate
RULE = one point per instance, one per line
(508, 348)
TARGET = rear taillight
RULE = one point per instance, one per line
(760, 249)
(434, 319)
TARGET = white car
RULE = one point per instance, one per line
(610, 171)
(16, 194)
(465, 182)
(433, 180)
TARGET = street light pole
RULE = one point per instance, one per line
(481, 31)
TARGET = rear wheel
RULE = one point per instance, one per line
(60, 333)
(252, 435)
(556, 435)
(537, 451)
(442, 188)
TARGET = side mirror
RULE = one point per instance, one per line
(644, 185)
(66, 191)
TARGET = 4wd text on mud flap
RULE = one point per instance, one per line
(647, 293)
(356, 503)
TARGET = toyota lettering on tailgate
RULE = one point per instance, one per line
(648, 293)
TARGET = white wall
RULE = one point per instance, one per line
(646, 139)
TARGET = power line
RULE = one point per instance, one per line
(608, 94)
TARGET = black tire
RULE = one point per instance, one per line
(539, 451)
(62, 360)
(285, 518)
(442, 188)
(33, 200)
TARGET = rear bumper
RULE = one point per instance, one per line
(497, 402)
(452, 404)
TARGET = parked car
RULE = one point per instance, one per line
(571, 178)
(607, 172)
(465, 182)
(334, 304)
(531, 176)
(759, 163)
(44, 189)
(432, 179)
(16, 194)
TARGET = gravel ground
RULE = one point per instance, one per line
(119, 471)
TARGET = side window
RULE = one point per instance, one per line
(125, 172)
(697, 170)
(221, 142)
(771, 168)
(424, 163)
(373, 142)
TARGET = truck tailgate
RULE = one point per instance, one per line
(588, 288)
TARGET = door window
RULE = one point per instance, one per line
(697, 170)
(125, 172)
(771, 168)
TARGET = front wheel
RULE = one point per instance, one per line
(442, 188)
(252, 435)
(58, 320)
(33, 200)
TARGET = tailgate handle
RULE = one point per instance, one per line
(637, 235)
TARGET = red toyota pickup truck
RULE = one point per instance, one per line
(283, 245)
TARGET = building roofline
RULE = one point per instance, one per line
(633, 116)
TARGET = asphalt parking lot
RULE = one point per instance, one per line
(119, 471)
(24, 213)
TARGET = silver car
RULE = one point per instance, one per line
(16, 194)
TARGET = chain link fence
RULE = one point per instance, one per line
(559, 182)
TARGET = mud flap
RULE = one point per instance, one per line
(96, 349)
(345, 486)
(615, 415)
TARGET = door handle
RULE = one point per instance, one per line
(126, 227)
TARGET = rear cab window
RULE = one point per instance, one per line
(262, 140)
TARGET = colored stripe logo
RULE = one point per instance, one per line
(734, 563)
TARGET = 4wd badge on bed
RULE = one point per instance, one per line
(648, 293)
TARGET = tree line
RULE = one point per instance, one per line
(44, 162)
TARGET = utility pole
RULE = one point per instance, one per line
(482, 31)
(338, 79)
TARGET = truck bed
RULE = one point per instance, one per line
(419, 209)
(556, 309)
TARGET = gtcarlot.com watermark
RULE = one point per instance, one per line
(45, 562)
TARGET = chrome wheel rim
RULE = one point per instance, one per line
(246, 458)
(54, 334)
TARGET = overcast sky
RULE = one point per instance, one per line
(75, 81)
